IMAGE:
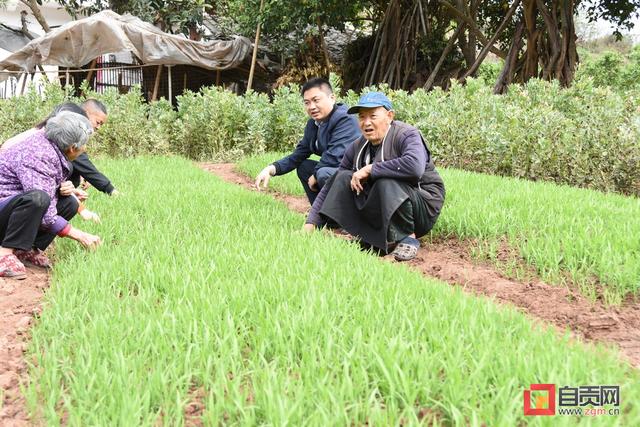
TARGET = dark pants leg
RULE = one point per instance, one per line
(20, 219)
(67, 208)
(306, 169)
(411, 217)
(401, 224)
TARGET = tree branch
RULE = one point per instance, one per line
(473, 28)
(485, 50)
(432, 77)
(37, 13)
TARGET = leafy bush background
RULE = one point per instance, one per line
(586, 135)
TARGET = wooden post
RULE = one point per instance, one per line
(92, 66)
(170, 88)
(184, 82)
(157, 83)
(66, 77)
(255, 49)
(217, 77)
(24, 82)
(44, 74)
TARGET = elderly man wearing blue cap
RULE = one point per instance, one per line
(387, 191)
(327, 134)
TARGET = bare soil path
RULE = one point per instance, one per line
(450, 260)
(19, 303)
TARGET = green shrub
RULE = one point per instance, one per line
(611, 69)
(20, 113)
(287, 119)
(128, 131)
(217, 124)
(586, 135)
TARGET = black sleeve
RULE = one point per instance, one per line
(82, 166)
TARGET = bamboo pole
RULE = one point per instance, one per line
(255, 48)
(84, 70)
(169, 84)
(157, 83)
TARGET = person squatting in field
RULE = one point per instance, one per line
(328, 133)
(31, 212)
(96, 112)
(387, 192)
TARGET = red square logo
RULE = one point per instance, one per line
(545, 405)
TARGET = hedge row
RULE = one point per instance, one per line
(585, 136)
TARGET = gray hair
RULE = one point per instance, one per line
(68, 130)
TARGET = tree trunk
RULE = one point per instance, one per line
(530, 69)
(550, 52)
(467, 49)
(37, 13)
(509, 69)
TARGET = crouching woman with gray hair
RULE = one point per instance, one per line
(31, 212)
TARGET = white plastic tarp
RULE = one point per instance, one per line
(79, 42)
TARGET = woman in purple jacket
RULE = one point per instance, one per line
(31, 212)
(387, 191)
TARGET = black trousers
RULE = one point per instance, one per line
(387, 211)
(20, 219)
(306, 169)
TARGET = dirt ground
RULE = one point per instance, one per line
(450, 260)
(19, 303)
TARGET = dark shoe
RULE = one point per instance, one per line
(407, 249)
(33, 257)
(11, 267)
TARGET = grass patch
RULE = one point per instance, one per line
(564, 232)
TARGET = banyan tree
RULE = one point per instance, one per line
(535, 38)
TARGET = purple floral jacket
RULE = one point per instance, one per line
(35, 163)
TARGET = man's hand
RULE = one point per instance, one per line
(115, 193)
(264, 176)
(89, 241)
(88, 215)
(313, 183)
(308, 228)
(81, 194)
(66, 188)
(84, 184)
(359, 177)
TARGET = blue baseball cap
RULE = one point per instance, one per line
(371, 100)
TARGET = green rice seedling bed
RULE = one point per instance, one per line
(204, 290)
(588, 237)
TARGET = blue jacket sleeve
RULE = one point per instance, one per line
(409, 166)
(344, 133)
(300, 154)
